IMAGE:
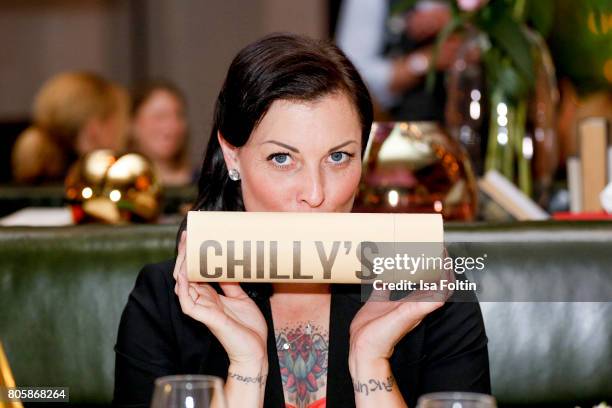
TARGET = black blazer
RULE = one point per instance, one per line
(446, 352)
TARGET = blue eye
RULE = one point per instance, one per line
(337, 156)
(280, 158)
(340, 157)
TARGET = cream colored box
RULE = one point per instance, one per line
(294, 247)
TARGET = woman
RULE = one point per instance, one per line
(159, 130)
(74, 113)
(290, 126)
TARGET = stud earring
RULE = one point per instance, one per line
(234, 174)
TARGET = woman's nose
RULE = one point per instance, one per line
(311, 189)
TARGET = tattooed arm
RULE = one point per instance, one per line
(375, 331)
(246, 384)
(237, 322)
(375, 385)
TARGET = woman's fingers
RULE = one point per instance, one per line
(204, 289)
(193, 294)
(183, 293)
(180, 262)
(407, 316)
(233, 290)
(180, 259)
(207, 296)
(198, 300)
(192, 303)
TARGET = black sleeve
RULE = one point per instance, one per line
(146, 344)
(455, 344)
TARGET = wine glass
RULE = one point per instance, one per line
(456, 400)
(188, 391)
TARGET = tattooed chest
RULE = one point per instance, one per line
(303, 356)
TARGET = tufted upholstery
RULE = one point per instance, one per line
(62, 291)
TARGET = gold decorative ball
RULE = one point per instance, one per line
(416, 167)
(105, 187)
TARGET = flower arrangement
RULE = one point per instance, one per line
(510, 53)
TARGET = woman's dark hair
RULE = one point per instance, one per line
(143, 92)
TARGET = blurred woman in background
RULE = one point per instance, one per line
(74, 113)
(159, 131)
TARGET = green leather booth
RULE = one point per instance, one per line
(62, 291)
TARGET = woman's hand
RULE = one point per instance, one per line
(381, 323)
(233, 317)
(375, 330)
(236, 321)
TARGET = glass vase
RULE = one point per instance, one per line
(521, 141)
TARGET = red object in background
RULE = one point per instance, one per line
(77, 213)
(583, 216)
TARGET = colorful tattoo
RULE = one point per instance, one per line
(302, 355)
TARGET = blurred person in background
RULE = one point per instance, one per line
(393, 52)
(159, 131)
(74, 113)
(392, 46)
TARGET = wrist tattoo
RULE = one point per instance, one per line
(373, 385)
(260, 379)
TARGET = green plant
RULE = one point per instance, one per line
(509, 59)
